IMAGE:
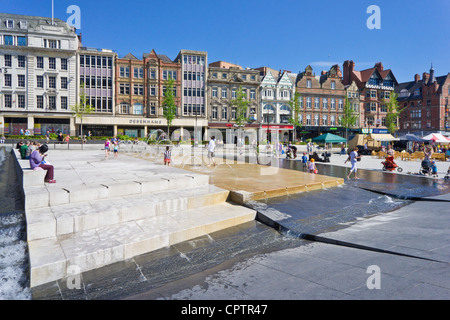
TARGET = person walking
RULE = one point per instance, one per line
(167, 156)
(211, 148)
(116, 149)
(107, 147)
(353, 158)
(47, 135)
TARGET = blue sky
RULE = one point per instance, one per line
(283, 34)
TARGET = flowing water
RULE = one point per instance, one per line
(14, 283)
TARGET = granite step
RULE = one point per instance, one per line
(66, 192)
(51, 258)
(62, 219)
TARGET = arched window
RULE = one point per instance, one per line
(269, 108)
(285, 108)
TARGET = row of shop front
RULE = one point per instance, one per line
(181, 129)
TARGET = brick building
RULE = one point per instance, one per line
(426, 103)
(375, 85)
(322, 100)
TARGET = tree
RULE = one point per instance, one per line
(82, 108)
(169, 106)
(294, 103)
(349, 118)
(241, 104)
(393, 113)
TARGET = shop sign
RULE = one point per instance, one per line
(145, 121)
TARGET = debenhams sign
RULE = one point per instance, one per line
(145, 121)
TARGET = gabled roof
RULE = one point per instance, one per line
(164, 58)
(130, 57)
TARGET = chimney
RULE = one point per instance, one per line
(379, 66)
(349, 66)
(432, 78)
(416, 78)
(425, 77)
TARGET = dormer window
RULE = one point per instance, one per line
(308, 83)
(9, 24)
(333, 85)
(23, 24)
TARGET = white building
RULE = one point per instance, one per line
(276, 91)
(38, 74)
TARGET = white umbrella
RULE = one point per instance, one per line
(437, 138)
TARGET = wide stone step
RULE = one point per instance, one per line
(67, 193)
(51, 258)
(57, 220)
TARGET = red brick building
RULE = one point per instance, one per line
(426, 103)
(376, 85)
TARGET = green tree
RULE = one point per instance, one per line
(349, 117)
(294, 103)
(169, 106)
(393, 112)
(241, 104)
(82, 108)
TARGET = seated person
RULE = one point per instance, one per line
(36, 159)
(23, 150)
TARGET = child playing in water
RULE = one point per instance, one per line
(312, 167)
(167, 156)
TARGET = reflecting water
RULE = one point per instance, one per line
(13, 245)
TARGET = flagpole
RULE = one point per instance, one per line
(53, 12)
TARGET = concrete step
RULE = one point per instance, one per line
(50, 258)
(66, 192)
(62, 219)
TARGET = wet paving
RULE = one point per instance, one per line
(169, 270)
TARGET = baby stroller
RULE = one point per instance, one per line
(390, 165)
(291, 153)
(447, 176)
(425, 168)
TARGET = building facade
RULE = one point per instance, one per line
(224, 81)
(39, 75)
(375, 85)
(276, 91)
(425, 103)
(322, 101)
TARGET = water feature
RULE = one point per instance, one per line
(14, 282)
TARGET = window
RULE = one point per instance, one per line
(373, 93)
(224, 75)
(224, 113)
(214, 92)
(63, 64)
(316, 103)
(373, 107)
(124, 88)
(233, 113)
(124, 108)
(139, 73)
(52, 44)
(333, 85)
(233, 93)
(138, 109)
(333, 104)
(22, 41)
(138, 89)
(52, 82)
(52, 102)
(252, 94)
(8, 61)
(308, 119)
(214, 112)
(124, 72)
(64, 103)
(383, 108)
(8, 100)
(308, 83)
(387, 94)
(325, 103)
(9, 24)
(63, 83)
(214, 75)
(324, 120)
(153, 108)
(152, 74)
(52, 63)
(171, 74)
(332, 121)
(40, 102)
(21, 101)
(153, 90)
(341, 104)
(8, 81)
(21, 61)
(40, 81)
(224, 92)
(316, 119)
(21, 80)
(308, 103)
(8, 40)
(40, 62)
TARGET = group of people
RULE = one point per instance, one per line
(36, 154)
(112, 145)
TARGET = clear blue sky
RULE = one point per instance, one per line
(283, 34)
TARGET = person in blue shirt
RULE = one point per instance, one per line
(434, 169)
(304, 160)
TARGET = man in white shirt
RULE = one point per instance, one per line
(211, 147)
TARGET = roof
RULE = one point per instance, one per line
(130, 57)
(164, 58)
(32, 21)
